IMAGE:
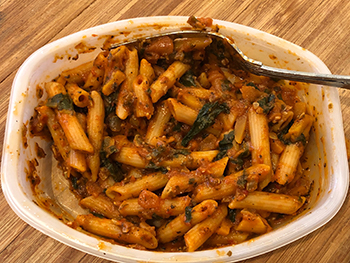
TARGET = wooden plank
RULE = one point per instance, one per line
(320, 26)
(28, 25)
(11, 224)
(32, 246)
(5, 88)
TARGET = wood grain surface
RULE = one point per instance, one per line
(321, 26)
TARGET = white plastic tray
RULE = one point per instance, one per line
(328, 163)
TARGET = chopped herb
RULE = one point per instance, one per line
(226, 85)
(281, 135)
(301, 138)
(178, 152)
(267, 103)
(188, 214)
(277, 89)
(206, 117)
(156, 152)
(224, 145)
(61, 102)
(108, 146)
(112, 167)
(97, 215)
(191, 181)
(252, 85)
(177, 127)
(149, 91)
(232, 214)
(141, 51)
(195, 23)
(279, 96)
(220, 51)
(188, 79)
(152, 165)
(245, 153)
(300, 200)
(110, 102)
(242, 180)
(113, 122)
(239, 160)
(74, 181)
(156, 217)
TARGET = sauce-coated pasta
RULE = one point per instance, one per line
(172, 147)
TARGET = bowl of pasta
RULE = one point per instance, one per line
(165, 150)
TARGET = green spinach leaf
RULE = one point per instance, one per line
(239, 160)
(152, 165)
(206, 117)
(61, 102)
(188, 214)
(188, 79)
(112, 167)
(252, 85)
(232, 214)
(226, 85)
(267, 103)
(225, 144)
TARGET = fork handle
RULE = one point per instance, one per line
(314, 78)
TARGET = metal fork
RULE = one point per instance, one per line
(257, 67)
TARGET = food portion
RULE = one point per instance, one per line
(172, 147)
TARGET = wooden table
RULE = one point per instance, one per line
(321, 26)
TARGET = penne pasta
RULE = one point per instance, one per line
(75, 134)
(180, 183)
(299, 127)
(166, 80)
(164, 208)
(198, 234)
(228, 185)
(79, 74)
(180, 225)
(113, 229)
(100, 205)
(115, 80)
(259, 133)
(233, 238)
(147, 70)
(252, 223)
(80, 97)
(287, 163)
(122, 191)
(95, 78)
(240, 128)
(158, 123)
(95, 124)
(277, 203)
(166, 141)
(56, 131)
(130, 156)
(76, 160)
(181, 112)
(225, 227)
(189, 99)
(144, 106)
(185, 114)
(124, 102)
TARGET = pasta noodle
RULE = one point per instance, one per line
(169, 145)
